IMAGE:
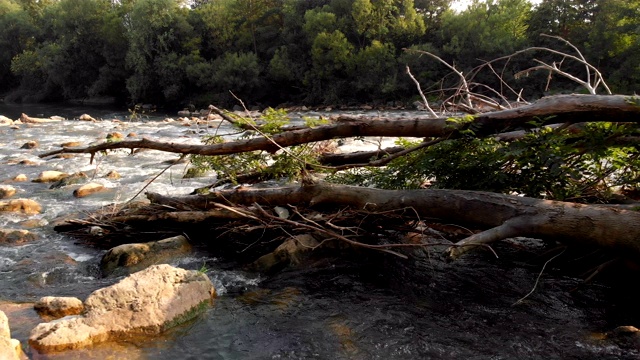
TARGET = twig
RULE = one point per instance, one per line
(424, 99)
(538, 278)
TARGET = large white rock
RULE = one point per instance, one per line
(145, 303)
(9, 348)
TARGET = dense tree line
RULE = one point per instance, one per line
(177, 52)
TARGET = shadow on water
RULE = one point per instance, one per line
(364, 309)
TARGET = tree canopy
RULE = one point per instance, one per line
(176, 52)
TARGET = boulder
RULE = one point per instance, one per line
(50, 176)
(25, 206)
(128, 258)
(145, 303)
(56, 118)
(7, 191)
(9, 348)
(20, 178)
(88, 189)
(16, 236)
(291, 252)
(55, 307)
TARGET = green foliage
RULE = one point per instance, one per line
(585, 166)
(290, 163)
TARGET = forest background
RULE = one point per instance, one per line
(175, 53)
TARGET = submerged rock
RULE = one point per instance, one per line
(55, 307)
(29, 145)
(145, 303)
(291, 252)
(114, 175)
(128, 258)
(9, 348)
(69, 180)
(16, 236)
(25, 206)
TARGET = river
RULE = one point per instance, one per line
(334, 310)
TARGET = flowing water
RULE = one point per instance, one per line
(330, 310)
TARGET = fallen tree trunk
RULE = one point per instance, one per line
(550, 110)
(503, 216)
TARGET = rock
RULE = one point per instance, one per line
(292, 251)
(184, 112)
(145, 303)
(56, 118)
(50, 176)
(26, 119)
(16, 236)
(69, 180)
(63, 156)
(29, 145)
(128, 258)
(9, 348)
(113, 175)
(115, 136)
(55, 307)
(7, 191)
(88, 189)
(71, 144)
(419, 105)
(5, 121)
(20, 178)
(25, 206)
(132, 134)
(86, 117)
(27, 162)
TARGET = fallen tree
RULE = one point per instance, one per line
(499, 216)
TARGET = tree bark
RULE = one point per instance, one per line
(503, 216)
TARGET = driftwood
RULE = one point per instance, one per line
(546, 111)
(503, 216)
